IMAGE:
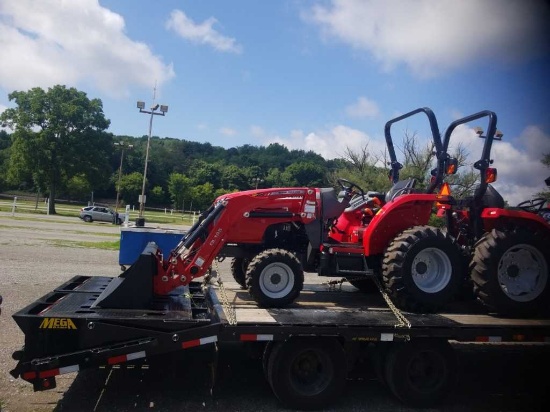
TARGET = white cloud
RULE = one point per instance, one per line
(227, 131)
(50, 42)
(363, 108)
(257, 132)
(518, 161)
(201, 33)
(331, 143)
(431, 36)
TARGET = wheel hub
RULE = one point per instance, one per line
(522, 272)
(277, 280)
(431, 270)
(421, 268)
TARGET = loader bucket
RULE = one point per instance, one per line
(133, 288)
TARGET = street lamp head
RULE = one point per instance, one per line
(140, 105)
(163, 108)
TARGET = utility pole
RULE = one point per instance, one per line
(153, 112)
(122, 146)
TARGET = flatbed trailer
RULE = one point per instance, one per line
(307, 349)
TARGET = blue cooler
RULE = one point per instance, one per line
(134, 239)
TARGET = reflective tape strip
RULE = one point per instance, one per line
(199, 342)
(253, 337)
(135, 355)
(125, 358)
(29, 375)
(386, 337)
(53, 372)
(488, 338)
(69, 369)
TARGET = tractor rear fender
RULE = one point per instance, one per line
(497, 218)
(394, 217)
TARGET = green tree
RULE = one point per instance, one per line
(203, 195)
(157, 195)
(179, 188)
(130, 187)
(304, 174)
(57, 133)
(78, 186)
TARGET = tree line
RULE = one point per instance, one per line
(56, 142)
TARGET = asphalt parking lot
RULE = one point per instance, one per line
(36, 256)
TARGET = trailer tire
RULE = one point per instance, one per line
(274, 278)
(265, 358)
(307, 373)
(422, 269)
(510, 271)
(238, 270)
(420, 373)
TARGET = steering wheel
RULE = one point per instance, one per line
(533, 205)
(348, 186)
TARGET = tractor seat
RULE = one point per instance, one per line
(332, 205)
(402, 187)
(492, 198)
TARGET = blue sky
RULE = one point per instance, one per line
(313, 75)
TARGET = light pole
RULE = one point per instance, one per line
(122, 146)
(258, 181)
(153, 112)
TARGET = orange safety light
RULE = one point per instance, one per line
(491, 175)
(444, 191)
(451, 166)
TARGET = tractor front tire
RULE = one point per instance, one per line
(238, 270)
(274, 278)
(422, 269)
(510, 271)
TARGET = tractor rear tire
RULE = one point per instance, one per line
(238, 270)
(274, 278)
(422, 269)
(307, 373)
(510, 271)
(422, 372)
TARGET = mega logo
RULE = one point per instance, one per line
(57, 323)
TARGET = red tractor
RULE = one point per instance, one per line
(510, 247)
(277, 234)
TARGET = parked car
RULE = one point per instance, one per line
(100, 214)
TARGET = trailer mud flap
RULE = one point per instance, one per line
(133, 289)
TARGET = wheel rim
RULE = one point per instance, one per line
(311, 372)
(426, 371)
(276, 280)
(431, 270)
(522, 273)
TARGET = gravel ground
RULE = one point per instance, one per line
(35, 257)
